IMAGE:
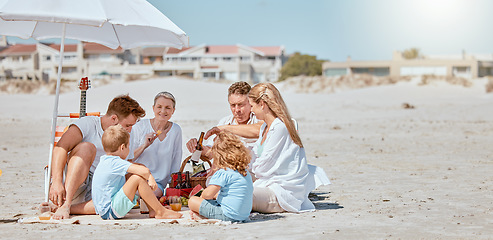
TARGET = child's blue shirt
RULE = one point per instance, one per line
(108, 179)
(236, 194)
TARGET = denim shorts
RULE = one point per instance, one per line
(160, 186)
(209, 208)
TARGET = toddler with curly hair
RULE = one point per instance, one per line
(228, 196)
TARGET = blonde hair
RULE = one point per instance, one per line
(269, 94)
(229, 152)
(114, 137)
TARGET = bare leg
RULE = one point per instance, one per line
(85, 208)
(135, 183)
(196, 216)
(79, 163)
(158, 193)
(194, 205)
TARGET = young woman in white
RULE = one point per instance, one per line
(159, 141)
(283, 177)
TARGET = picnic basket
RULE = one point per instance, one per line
(194, 181)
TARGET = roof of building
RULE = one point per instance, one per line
(95, 48)
(19, 49)
(66, 48)
(221, 49)
(232, 49)
(153, 51)
(270, 51)
(176, 50)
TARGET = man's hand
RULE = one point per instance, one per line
(152, 183)
(191, 144)
(212, 131)
(57, 193)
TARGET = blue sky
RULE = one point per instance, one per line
(333, 30)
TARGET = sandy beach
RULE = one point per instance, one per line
(418, 172)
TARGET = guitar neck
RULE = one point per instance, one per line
(82, 103)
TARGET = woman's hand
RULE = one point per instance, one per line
(149, 139)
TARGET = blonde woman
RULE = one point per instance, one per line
(159, 141)
(283, 177)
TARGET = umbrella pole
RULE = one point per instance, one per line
(55, 115)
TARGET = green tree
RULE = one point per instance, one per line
(411, 53)
(299, 64)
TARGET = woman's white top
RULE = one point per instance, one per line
(161, 157)
(283, 168)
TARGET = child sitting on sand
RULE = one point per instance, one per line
(229, 194)
(113, 197)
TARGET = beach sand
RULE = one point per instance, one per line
(408, 173)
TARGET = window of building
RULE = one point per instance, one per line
(245, 59)
(335, 72)
(231, 76)
(461, 71)
(372, 71)
(258, 77)
(183, 59)
(209, 74)
(46, 57)
(69, 69)
(423, 70)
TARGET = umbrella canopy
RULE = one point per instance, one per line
(113, 23)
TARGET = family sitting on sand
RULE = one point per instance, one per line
(275, 177)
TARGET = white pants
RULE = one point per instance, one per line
(265, 201)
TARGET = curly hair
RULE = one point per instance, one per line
(241, 88)
(229, 152)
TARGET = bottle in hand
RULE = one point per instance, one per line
(198, 149)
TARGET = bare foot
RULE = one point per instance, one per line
(196, 216)
(152, 213)
(62, 212)
(168, 214)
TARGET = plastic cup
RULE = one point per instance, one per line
(175, 203)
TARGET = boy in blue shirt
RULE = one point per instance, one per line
(113, 197)
(229, 194)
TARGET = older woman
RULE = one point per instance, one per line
(159, 141)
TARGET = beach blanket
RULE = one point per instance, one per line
(133, 217)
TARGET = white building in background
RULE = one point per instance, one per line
(467, 66)
(40, 61)
(230, 62)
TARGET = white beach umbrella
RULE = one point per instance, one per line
(113, 23)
